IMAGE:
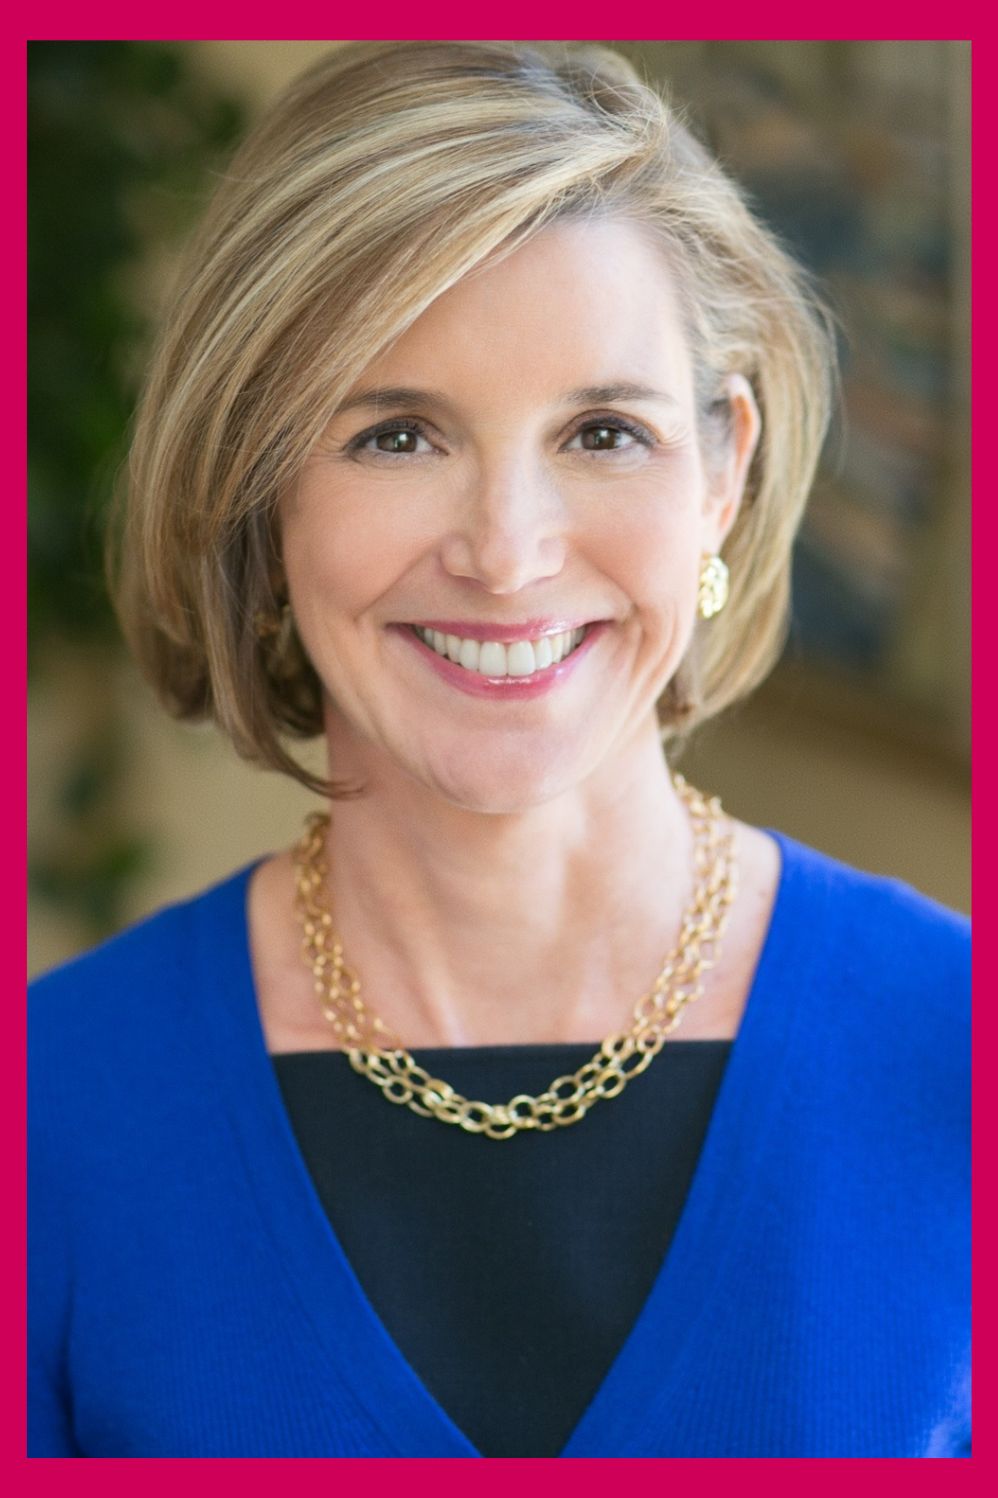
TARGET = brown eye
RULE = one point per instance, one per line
(397, 442)
(599, 439)
(608, 437)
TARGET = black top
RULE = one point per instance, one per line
(508, 1272)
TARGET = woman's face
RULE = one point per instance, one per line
(493, 553)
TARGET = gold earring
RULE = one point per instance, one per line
(713, 594)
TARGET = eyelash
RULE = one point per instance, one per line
(393, 424)
(618, 424)
(407, 424)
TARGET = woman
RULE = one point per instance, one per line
(478, 366)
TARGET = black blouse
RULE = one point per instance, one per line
(508, 1272)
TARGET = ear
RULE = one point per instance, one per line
(728, 472)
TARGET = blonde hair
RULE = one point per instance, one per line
(377, 180)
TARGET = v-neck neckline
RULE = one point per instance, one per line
(385, 1387)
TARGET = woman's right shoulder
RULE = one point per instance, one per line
(149, 968)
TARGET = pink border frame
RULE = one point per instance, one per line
(427, 1476)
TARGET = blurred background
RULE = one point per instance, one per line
(856, 153)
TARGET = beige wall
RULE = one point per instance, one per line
(256, 71)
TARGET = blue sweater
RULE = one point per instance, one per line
(188, 1296)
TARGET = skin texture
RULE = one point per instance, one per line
(513, 870)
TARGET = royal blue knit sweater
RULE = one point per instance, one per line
(188, 1296)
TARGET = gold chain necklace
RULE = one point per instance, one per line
(377, 1054)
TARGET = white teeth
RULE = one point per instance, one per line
(520, 658)
(491, 658)
(468, 657)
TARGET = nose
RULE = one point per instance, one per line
(511, 530)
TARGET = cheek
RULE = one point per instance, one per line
(339, 556)
(651, 549)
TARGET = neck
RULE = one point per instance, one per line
(542, 925)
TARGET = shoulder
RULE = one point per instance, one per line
(878, 977)
(128, 1046)
(153, 938)
(868, 917)
(132, 988)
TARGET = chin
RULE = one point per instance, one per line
(505, 785)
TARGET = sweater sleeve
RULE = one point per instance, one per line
(49, 1413)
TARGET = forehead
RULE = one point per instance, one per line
(580, 304)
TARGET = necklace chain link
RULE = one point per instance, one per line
(377, 1054)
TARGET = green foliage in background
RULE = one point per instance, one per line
(121, 137)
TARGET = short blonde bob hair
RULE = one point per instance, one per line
(375, 182)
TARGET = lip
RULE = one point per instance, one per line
(502, 688)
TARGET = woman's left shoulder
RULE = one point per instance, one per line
(876, 978)
(882, 951)
(874, 907)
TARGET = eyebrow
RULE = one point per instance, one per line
(393, 397)
(600, 395)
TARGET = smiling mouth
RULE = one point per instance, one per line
(492, 658)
